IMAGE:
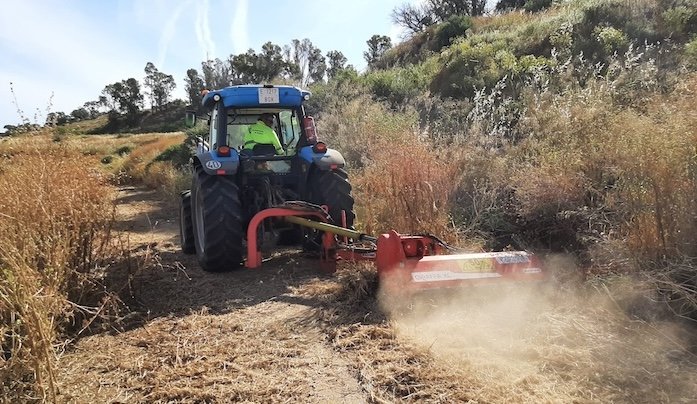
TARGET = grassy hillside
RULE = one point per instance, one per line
(569, 130)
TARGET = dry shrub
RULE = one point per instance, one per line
(407, 188)
(661, 175)
(400, 182)
(622, 182)
(627, 174)
(362, 128)
(56, 214)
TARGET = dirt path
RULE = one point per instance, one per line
(206, 337)
(285, 333)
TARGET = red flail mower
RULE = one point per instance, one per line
(405, 262)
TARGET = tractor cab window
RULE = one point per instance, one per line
(237, 127)
(286, 126)
(290, 130)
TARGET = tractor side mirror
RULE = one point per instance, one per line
(190, 119)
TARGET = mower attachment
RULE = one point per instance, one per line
(422, 262)
(403, 262)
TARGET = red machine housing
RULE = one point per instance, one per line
(420, 262)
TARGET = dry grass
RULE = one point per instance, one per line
(246, 356)
(635, 167)
(55, 229)
(408, 189)
(131, 159)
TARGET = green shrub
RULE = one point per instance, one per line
(611, 39)
(123, 150)
(681, 21)
(691, 53)
(178, 155)
(468, 68)
(399, 85)
(533, 6)
(455, 26)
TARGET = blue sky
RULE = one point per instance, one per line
(73, 48)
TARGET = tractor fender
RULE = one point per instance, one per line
(329, 160)
(213, 164)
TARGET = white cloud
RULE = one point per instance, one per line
(238, 29)
(203, 30)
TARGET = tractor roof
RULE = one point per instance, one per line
(257, 95)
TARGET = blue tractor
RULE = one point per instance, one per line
(230, 184)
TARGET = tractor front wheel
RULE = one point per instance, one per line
(217, 221)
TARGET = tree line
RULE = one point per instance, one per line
(300, 63)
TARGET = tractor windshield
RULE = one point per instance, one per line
(286, 125)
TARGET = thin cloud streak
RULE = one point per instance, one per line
(238, 30)
(203, 31)
(168, 33)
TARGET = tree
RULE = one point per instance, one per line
(57, 118)
(414, 18)
(442, 9)
(305, 61)
(243, 67)
(291, 69)
(160, 86)
(509, 4)
(336, 62)
(216, 74)
(92, 107)
(193, 84)
(80, 114)
(377, 46)
(269, 63)
(125, 96)
(316, 65)
(418, 18)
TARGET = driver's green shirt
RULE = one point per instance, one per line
(259, 133)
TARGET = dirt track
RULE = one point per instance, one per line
(223, 337)
(285, 333)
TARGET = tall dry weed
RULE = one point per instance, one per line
(408, 187)
(55, 218)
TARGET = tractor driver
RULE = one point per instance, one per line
(262, 133)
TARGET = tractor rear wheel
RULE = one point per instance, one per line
(217, 221)
(332, 188)
(186, 227)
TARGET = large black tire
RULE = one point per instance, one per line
(217, 221)
(332, 188)
(186, 226)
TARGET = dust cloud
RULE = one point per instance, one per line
(561, 341)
